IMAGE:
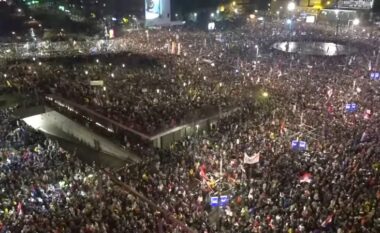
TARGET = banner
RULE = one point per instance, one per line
(96, 83)
(253, 159)
(223, 201)
(375, 75)
(356, 4)
(351, 107)
(298, 145)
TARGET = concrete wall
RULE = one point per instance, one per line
(58, 125)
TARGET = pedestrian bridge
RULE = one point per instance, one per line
(58, 125)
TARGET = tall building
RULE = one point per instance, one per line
(157, 12)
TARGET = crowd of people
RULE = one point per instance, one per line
(47, 189)
(332, 186)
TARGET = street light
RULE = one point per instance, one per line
(355, 22)
(212, 15)
(291, 6)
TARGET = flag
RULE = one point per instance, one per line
(364, 136)
(330, 108)
(253, 159)
(350, 61)
(202, 172)
(279, 74)
(329, 92)
(305, 178)
(282, 127)
(367, 114)
(327, 221)
(20, 209)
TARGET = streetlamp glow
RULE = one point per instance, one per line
(291, 6)
(356, 22)
(212, 15)
(265, 94)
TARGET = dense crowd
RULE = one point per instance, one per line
(333, 186)
(46, 189)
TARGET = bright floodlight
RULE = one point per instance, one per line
(356, 22)
(291, 6)
(265, 94)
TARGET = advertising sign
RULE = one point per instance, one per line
(152, 9)
(356, 4)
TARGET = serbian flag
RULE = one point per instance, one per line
(202, 172)
(305, 177)
(19, 208)
(367, 114)
(251, 159)
(327, 221)
(282, 127)
(330, 108)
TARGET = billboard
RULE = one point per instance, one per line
(356, 4)
(152, 9)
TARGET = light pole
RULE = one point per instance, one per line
(337, 21)
(257, 52)
(291, 8)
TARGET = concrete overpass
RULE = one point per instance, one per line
(53, 123)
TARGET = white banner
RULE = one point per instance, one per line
(355, 4)
(96, 83)
(253, 159)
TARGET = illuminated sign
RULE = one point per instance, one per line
(310, 19)
(356, 4)
(351, 107)
(223, 201)
(375, 75)
(152, 9)
(298, 145)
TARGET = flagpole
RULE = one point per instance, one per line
(220, 190)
